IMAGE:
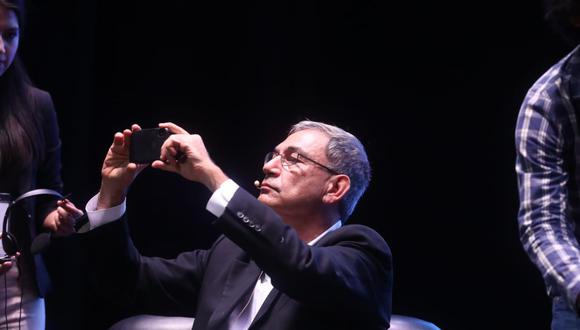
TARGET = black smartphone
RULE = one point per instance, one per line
(146, 145)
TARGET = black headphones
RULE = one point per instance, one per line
(9, 243)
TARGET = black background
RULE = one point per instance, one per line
(431, 89)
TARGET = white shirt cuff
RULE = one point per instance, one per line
(98, 218)
(221, 197)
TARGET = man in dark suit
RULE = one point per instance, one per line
(285, 260)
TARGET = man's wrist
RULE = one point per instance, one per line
(109, 198)
(215, 178)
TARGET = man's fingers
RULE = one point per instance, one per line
(118, 138)
(127, 137)
(170, 167)
(118, 141)
(172, 150)
(173, 128)
(169, 149)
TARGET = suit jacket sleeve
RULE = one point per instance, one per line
(349, 270)
(146, 284)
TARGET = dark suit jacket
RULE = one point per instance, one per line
(43, 172)
(343, 282)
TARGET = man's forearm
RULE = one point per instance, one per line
(110, 197)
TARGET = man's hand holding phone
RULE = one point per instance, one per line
(186, 154)
(118, 172)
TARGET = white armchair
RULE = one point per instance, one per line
(148, 322)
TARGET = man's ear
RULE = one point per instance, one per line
(336, 187)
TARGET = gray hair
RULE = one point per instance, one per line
(346, 155)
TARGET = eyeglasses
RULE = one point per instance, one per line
(290, 157)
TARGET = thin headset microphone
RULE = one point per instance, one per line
(257, 184)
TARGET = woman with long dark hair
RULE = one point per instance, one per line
(29, 159)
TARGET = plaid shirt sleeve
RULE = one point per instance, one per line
(543, 136)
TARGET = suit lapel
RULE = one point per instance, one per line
(242, 277)
(275, 294)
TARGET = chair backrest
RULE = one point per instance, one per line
(148, 322)
(401, 322)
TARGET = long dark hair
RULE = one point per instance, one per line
(20, 128)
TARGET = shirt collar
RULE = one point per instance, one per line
(336, 225)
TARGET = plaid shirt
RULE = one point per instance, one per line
(548, 169)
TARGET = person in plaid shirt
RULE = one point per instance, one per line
(548, 171)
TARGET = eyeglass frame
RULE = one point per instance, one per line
(286, 163)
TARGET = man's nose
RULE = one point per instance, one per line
(273, 166)
(2, 47)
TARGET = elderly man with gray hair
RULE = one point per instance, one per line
(286, 260)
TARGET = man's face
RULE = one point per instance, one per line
(298, 188)
(9, 38)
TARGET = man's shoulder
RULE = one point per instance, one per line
(358, 228)
(551, 79)
(550, 94)
(356, 233)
